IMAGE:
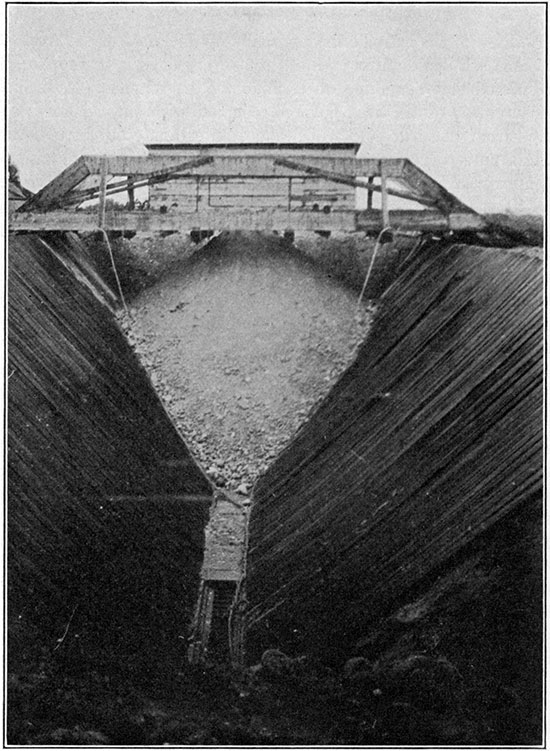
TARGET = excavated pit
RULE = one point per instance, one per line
(242, 341)
(105, 562)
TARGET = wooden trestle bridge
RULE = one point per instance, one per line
(77, 199)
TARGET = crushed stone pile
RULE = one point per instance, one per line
(242, 341)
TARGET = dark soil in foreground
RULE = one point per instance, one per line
(283, 703)
(403, 698)
(458, 664)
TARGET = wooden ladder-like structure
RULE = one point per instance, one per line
(218, 623)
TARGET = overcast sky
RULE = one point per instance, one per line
(459, 89)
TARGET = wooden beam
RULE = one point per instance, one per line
(370, 183)
(355, 182)
(420, 182)
(384, 187)
(131, 194)
(372, 220)
(156, 176)
(280, 220)
(50, 194)
(458, 221)
(102, 187)
(201, 625)
(245, 166)
(216, 219)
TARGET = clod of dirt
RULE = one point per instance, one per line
(356, 665)
(242, 341)
(73, 737)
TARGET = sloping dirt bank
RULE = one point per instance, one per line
(241, 342)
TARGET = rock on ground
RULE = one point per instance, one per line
(242, 341)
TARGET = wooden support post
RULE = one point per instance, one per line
(131, 194)
(202, 624)
(370, 181)
(290, 194)
(384, 190)
(102, 191)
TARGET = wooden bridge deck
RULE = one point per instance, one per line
(220, 219)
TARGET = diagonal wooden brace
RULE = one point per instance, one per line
(156, 176)
(421, 182)
(355, 182)
(50, 195)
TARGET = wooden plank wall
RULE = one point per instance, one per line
(432, 436)
(296, 193)
(85, 426)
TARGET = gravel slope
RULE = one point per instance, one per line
(241, 342)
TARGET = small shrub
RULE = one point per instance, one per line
(517, 229)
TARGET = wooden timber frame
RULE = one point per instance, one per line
(221, 601)
(56, 206)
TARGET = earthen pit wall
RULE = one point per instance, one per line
(431, 438)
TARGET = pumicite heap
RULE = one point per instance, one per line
(242, 342)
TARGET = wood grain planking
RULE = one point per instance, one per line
(51, 194)
(354, 181)
(219, 219)
(245, 165)
(420, 182)
(346, 220)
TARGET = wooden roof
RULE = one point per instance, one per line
(345, 146)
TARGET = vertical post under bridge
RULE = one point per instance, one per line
(384, 192)
(102, 191)
(131, 194)
(370, 181)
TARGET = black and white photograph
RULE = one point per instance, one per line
(274, 374)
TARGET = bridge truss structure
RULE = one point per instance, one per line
(78, 199)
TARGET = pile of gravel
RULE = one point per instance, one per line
(242, 341)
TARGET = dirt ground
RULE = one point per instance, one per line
(242, 341)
